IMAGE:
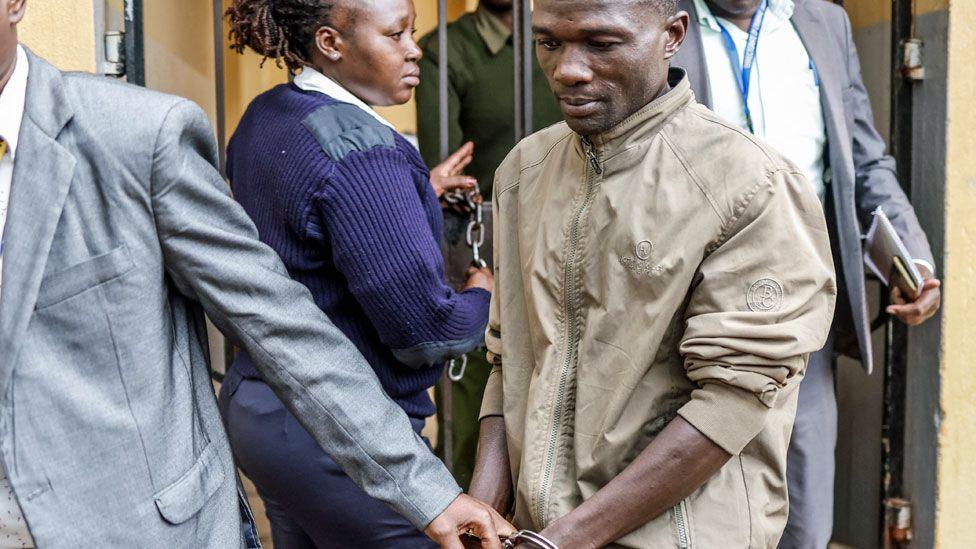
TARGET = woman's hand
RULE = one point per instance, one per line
(479, 278)
(447, 177)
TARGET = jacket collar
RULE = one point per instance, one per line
(646, 122)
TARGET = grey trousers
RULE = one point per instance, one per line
(810, 460)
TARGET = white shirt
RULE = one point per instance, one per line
(784, 97)
(13, 528)
(312, 80)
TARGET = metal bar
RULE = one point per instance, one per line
(442, 75)
(219, 88)
(518, 77)
(135, 62)
(526, 45)
(894, 533)
(443, 108)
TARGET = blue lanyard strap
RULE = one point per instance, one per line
(743, 70)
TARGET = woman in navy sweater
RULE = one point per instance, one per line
(351, 209)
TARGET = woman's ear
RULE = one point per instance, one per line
(329, 43)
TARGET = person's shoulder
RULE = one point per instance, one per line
(102, 100)
(530, 153)
(725, 159)
(342, 128)
(834, 13)
(461, 33)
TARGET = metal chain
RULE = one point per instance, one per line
(475, 235)
(468, 203)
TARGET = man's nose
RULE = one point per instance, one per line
(414, 53)
(572, 69)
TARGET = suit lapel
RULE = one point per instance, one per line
(691, 57)
(809, 24)
(822, 47)
(42, 175)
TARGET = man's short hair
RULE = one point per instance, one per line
(667, 8)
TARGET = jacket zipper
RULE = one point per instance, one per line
(681, 524)
(569, 309)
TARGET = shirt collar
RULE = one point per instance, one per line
(492, 30)
(12, 102)
(313, 80)
(781, 8)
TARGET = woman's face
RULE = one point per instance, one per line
(378, 59)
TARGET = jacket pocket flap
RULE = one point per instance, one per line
(184, 498)
(83, 276)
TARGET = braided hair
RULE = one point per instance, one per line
(283, 30)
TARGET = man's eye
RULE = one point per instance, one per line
(601, 45)
(397, 35)
(547, 44)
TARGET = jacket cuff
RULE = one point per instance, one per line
(493, 403)
(435, 491)
(925, 263)
(729, 416)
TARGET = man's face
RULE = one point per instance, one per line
(11, 12)
(604, 59)
(733, 8)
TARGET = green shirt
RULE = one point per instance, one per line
(481, 95)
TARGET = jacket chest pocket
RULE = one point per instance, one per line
(84, 276)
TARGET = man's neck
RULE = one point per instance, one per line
(8, 61)
(741, 20)
(505, 14)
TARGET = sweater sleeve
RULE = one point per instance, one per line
(382, 243)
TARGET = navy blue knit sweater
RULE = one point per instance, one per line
(347, 204)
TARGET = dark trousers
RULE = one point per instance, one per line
(810, 460)
(309, 500)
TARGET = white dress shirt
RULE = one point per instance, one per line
(784, 97)
(13, 528)
(313, 80)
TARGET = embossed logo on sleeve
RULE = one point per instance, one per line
(765, 295)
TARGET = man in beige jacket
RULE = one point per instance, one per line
(661, 278)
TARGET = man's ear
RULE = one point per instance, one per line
(15, 10)
(329, 43)
(677, 28)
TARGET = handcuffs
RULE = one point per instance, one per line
(527, 538)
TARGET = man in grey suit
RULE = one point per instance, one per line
(119, 234)
(788, 71)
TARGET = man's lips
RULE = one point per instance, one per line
(412, 80)
(578, 107)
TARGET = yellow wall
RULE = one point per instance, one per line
(865, 13)
(957, 439)
(61, 31)
(179, 50)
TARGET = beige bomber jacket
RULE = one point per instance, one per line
(674, 265)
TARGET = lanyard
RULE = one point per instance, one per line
(743, 70)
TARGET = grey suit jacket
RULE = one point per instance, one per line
(862, 175)
(120, 235)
